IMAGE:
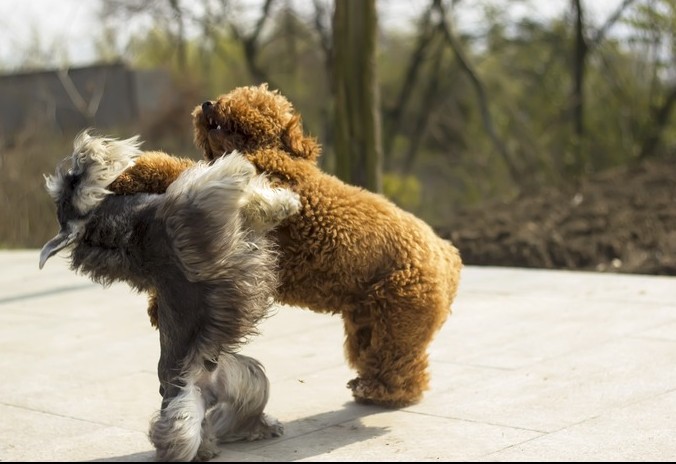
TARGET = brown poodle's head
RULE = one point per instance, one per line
(248, 119)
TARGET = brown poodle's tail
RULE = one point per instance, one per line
(453, 267)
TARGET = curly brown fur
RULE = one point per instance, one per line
(349, 251)
(155, 169)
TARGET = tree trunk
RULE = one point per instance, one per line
(357, 107)
(659, 123)
(579, 68)
(182, 57)
(478, 85)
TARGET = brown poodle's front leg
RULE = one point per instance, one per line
(152, 309)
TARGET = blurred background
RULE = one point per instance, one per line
(531, 133)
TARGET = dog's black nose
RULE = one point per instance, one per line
(206, 105)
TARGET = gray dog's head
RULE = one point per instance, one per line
(79, 184)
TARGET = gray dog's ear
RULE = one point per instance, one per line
(95, 163)
(99, 161)
(80, 183)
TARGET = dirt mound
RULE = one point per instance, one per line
(622, 220)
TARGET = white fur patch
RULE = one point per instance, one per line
(176, 430)
(266, 207)
(231, 184)
(98, 161)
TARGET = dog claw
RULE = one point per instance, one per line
(275, 428)
(270, 428)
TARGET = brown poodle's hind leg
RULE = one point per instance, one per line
(387, 340)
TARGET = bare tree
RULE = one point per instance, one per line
(659, 120)
(171, 13)
(581, 49)
(430, 102)
(251, 42)
(87, 109)
(473, 76)
(180, 34)
(579, 62)
(393, 116)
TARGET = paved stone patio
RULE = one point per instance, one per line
(533, 365)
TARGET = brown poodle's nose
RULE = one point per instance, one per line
(206, 105)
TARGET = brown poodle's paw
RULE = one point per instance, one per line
(371, 391)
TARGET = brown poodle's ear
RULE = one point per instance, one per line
(296, 143)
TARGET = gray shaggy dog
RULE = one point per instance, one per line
(203, 246)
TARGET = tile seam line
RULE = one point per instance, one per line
(472, 421)
(46, 293)
(596, 416)
(319, 429)
(598, 298)
(64, 416)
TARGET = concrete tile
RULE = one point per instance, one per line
(67, 333)
(60, 352)
(21, 277)
(81, 361)
(571, 284)
(514, 331)
(285, 321)
(127, 401)
(640, 432)
(304, 351)
(314, 401)
(532, 365)
(396, 436)
(94, 300)
(661, 331)
(320, 400)
(552, 395)
(229, 455)
(27, 435)
(448, 376)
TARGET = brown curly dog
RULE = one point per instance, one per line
(348, 251)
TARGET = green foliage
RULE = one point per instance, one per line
(441, 156)
(405, 191)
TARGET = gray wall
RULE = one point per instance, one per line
(40, 100)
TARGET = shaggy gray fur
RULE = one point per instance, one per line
(202, 246)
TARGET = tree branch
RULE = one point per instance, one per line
(250, 44)
(88, 110)
(479, 88)
(660, 120)
(429, 103)
(610, 22)
(395, 115)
